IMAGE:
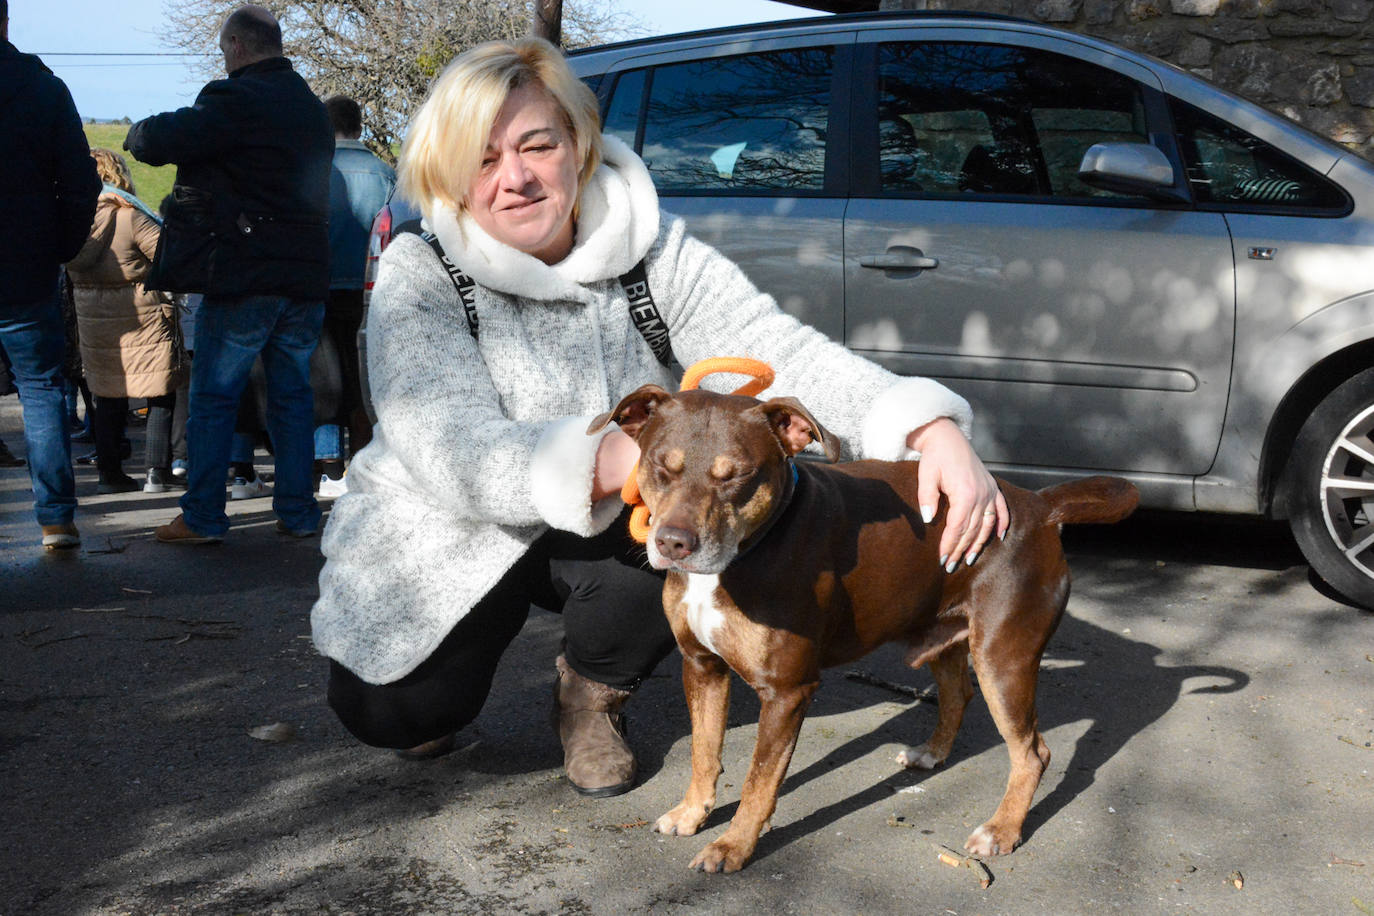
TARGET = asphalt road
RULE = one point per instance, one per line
(1210, 711)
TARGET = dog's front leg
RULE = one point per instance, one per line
(706, 683)
(780, 720)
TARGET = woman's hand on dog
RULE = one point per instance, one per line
(976, 506)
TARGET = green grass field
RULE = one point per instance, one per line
(152, 184)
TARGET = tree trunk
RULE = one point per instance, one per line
(548, 21)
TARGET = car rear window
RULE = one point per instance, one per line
(747, 123)
(1231, 169)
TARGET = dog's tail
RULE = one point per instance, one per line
(1092, 500)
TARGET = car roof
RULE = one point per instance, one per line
(1318, 151)
(824, 22)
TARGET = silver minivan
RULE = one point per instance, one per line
(1123, 267)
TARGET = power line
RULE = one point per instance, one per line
(66, 67)
(118, 54)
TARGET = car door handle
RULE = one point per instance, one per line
(900, 259)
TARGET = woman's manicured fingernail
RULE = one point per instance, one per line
(953, 565)
(927, 513)
(971, 558)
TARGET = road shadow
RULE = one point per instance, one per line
(1088, 671)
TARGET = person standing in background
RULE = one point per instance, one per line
(359, 185)
(50, 179)
(127, 333)
(248, 228)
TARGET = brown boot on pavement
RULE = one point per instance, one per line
(178, 532)
(587, 715)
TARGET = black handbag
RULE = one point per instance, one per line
(326, 380)
(181, 263)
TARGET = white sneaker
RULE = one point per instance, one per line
(245, 489)
(331, 488)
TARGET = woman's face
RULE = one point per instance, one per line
(526, 188)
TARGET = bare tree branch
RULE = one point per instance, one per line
(385, 53)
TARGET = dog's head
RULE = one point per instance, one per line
(712, 468)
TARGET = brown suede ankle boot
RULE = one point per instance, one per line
(587, 715)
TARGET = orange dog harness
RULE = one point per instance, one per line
(761, 375)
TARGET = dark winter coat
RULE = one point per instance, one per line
(251, 200)
(48, 182)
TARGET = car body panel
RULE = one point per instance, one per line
(1130, 354)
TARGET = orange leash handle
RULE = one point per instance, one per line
(761, 377)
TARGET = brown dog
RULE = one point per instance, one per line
(779, 569)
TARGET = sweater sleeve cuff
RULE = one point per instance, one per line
(561, 479)
(908, 405)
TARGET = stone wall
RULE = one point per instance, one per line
(1312, 60)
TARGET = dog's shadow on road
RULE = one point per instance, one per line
(1090, 673)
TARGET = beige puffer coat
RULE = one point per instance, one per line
(125, 331)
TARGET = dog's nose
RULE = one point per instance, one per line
(675, 543)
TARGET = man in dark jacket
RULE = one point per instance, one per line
(248, 227)
(49, 182)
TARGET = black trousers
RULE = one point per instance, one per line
(613, 623)
(110, 417)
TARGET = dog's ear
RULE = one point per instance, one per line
(632, 412)
(796, 428)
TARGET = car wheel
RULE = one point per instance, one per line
(1331, 493)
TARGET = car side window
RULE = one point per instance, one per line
(750, 123)
(965, 118)
(1234, 169)
(622, 115)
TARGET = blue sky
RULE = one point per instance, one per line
(115, 87)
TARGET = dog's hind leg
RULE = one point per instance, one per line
(1007, 666)
(955, 687)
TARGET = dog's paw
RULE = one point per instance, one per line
(721, 856)
(684, 820)
(989, 840)
(919, 758)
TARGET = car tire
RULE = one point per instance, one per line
(1331, 489)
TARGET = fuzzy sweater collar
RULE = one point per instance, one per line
(616, 225)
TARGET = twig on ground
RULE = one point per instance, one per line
(111, 548)
(865, 677)
(56, 639)
(958, 859)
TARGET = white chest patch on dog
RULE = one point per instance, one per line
(703, 616)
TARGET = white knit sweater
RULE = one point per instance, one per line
(481, 446)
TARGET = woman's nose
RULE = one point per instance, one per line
(515, 175)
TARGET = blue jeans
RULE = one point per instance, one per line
(328, 442)
(33, 339)
(230, 334)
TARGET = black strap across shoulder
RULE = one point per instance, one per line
(643, 311)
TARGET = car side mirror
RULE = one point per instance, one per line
(1129, 168)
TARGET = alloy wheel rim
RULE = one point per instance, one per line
(1347, 492)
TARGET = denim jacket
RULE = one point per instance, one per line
(359, 184)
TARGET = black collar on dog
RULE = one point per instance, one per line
(789, 491)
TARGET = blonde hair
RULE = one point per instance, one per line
(113, 169)
(448, 137)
